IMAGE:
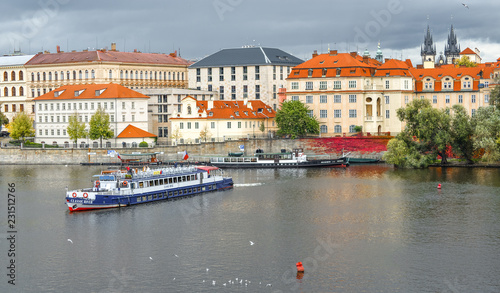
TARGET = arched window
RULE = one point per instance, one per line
(92, 74)
(156, 75)
(110, 74)
(13, 91)
(50, 75)
(21, 91)
(21, 75)
(32, 76)
(86, 74)
(146, 77)
(74, 74)
(68, 76)
(62, 75)
(56, 76)
(44, 76)
(136, 74)
(13, 75)
(141, 74)
(178, 76)
(189, 110)
(126, 74)
(5, 76)
(151, 75)
(351, 128)
(323, 129)
(337, 129)
(121, 74)
(6, 92)
(183, 76)
(38, 76)
(169, 76)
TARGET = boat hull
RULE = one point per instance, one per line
(284, 164)
(83, 201)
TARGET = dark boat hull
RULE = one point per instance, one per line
(341, 162)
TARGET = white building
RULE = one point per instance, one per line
(244, 73)
(13, 86)
(124, 106)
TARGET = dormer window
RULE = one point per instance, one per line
(310, 72)
(210, 114)
(78, 93)
(237, 113)
(246, 113)
(99, 92)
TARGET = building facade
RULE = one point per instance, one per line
(164, 102)
(244, 73)
(14, 96)
(135, 70)
(221, 120)
(53, 110)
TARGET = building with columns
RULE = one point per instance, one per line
(14, 97)
(244, 73)
(135, 70)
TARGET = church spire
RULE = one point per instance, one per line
(452, 48)
(428, 49)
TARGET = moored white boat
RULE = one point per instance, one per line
(119, 188)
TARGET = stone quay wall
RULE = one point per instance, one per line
(364, 147)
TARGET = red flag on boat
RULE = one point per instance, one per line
(118, 155)
(185, 155)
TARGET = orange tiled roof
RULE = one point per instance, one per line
(394, 67)
(107, 56)
(134, 132)
(467, 51)
(234, 109)
(349, 65)
(88, 91)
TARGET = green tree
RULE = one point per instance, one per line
(403, 152)
(486, 123)
(75, 128)
(262, 127)
(462, 132)
(99, 126)
(429, 125)
(465, 61)
(21, 126)
(3, 120)
(292, 119)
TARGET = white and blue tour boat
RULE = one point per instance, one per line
(120, 188)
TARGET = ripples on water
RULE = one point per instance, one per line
(360, 229)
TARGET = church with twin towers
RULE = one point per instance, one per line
(451, 49)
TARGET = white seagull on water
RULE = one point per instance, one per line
(70, 241)
(251, 243)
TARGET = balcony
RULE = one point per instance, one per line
(374, 118)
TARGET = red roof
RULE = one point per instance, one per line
(134, 132)
(233, 109)
(467, 51)
(90, 91)
(107, 56)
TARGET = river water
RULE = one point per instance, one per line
(366, 228)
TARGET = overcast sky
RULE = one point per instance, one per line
(201, 27)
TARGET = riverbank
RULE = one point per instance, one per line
(362, 147)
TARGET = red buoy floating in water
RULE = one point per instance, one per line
(300, 268)
(439, 186)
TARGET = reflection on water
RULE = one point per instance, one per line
(365, 228)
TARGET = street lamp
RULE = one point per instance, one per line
(253, 131)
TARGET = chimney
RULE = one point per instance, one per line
(333, 52)
(386, 59)
(174, 54)
(210, 105)
(135, 50)
(354, 54)
(365, 59)
(113, 46)
(315, 53)
(58, 49)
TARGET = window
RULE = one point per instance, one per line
(447, 99)
(352, 98)
(295, 85)
(447, 85)
(486, 98)
(337, 99)
(434, 99)
(407, 99)
(212, 125)
(323, 99)
(228, 125)
(337, 113)
(181, 125)
(233, 73)
(295, 98)
(257, 73)
(352, 84)
(387, 100)
(473, 98)
(322, 85)
(486, 84)
(387, 114)
(337, 129)
(323, 113)
(233, 92)
(309, 99)
(310, 113)
(337, 84)
(473, 112)
(406, 84)
(387, 84)
(123, 118)
(309, 85)
(352, 128)
(257, 91)
(323, 129)
(189, 125)
(460, 99)
(221, 73)
(196, 125)
(160, 131)
(352, 113)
